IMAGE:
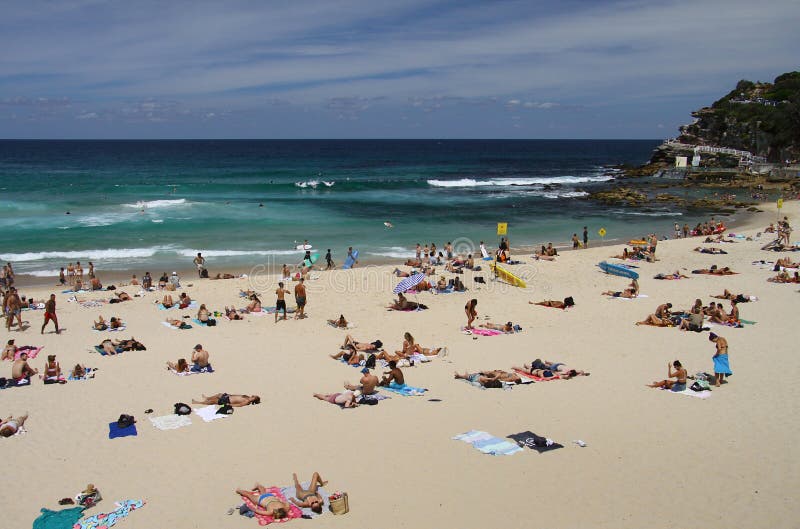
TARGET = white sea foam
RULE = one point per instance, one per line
(108, 219)
(566, 194)
(329, 184)
(651, 213)
(395, 252)
(43, 273)
(307, 183)
(110, 253)
(235, 253)
(492, 182)
(150, 204)
(157, 221)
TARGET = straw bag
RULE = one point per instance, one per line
(340, 505)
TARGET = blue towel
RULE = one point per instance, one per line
(403, 389)
(721, 365)
(489, 444)
(198, 322)
(63, 519)
(115, 431)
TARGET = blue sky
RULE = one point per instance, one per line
(375, 69)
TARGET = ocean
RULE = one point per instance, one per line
(136, 205)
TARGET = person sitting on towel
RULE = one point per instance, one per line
(21, 371)
(366, 385)
(184, 300)
(200, 359)
(679, 384)
(340, 323)
(403, 304)
(393, 377)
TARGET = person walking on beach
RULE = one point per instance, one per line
(13, 308)
(91, 270)
(50, 313)
(585, 237)
(62, 280)
(721, 366)
(329, 260)
(200, 263)
(300, 299)
(685, 230)
(471, 312)
(280, 304)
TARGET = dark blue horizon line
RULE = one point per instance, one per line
(316, 139)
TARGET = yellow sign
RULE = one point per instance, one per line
(780, 203)
(601, 232)
(502, 228)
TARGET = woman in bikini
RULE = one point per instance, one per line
(309, 498)
(266, 503)
(181, 367)
(202, 313)
(52, 371)
(679, 384)
(506, 328)
(410, 347)
(254, 305)
(167, 301)
(471, 312)
(12, 425)
(567, 303)
(346, 399)
(100, 324)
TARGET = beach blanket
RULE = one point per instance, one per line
(209, 413)
(90, 304)
(110, 519)
(183, 327)
(523, 373)
(102, 351)
(288, 492)
(534, 442)
(628, 299)
(32, 352)
(200, 323)
(350, 325)
(63, 519)
(405, 390)
(488, 444)
(171, 422)
(89, 374)
(115, 431)
(75, 291)
(273, 310)
(294, 510)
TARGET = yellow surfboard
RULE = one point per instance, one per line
(507, 276)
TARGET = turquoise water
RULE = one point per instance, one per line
(133, 204)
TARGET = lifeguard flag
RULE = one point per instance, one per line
(502, 228)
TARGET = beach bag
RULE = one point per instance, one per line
(125, 421)
(700, 385)
(211, 323)
(226, 409)
(370, 363)
(479, 279)
(340, 504)
(369, 400)
(182, 409)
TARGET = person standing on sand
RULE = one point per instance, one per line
(471, 312)
(300, 298)
(78, 272)
(280, 304)
(91, 270)
(575, 242)
(13, 308)
(62, 280)
(721, 366)
(71, 274)
(585, 237)
(329, 260)
(200, 263)
(50, 313)
(677, 231)
(685, 231)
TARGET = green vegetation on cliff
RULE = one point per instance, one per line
(763, 118)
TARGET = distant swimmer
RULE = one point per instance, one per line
(261, 205)
(388, 224)
(67, 213)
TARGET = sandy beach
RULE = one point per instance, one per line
(652, 458)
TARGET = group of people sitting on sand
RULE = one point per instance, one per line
(693, 318)
(22, 372)
(114, 323)
(200, 363)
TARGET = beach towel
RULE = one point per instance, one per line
(479, 331)
(721, 365)
(200, 323)
(523, 373)
(102, 351)
(89, 374)
(690, 393)
(288, 492)
(209, 413)
(294, 510)
(171, 422)
(75, 291)
(115, 431)
(110, 329)
(273, 310)
(405, 390)
(489, 444)
(32, 352)
(183, 327)
(535, 442)
(92, 303)
(110, 519)
(63, 519)
(629, 299)
(350, 325)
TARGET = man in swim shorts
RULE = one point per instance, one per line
(280, 304)
(50, 313)
(237, 401)
(300, 298)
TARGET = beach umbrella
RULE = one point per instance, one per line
(409, 283)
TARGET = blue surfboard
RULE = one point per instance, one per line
(618, 270)
(351, 260)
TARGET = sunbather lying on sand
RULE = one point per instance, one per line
(231, 313)
(340, 323)
(403, 304)
(178, 324)
(309, 498)
(558, 368)
(711, 250)
(727, 294)
(167, 301)
(181, 367)
(679, 384)
(567, 303)
(266, 503)
(349, 341)
(507, 327)
(352, 357)
(12, 424)
(784, 277)
(346, 399)
(786, 263)
(410, 347)
(224, 276)
(674, 275)
(487, 379)
(237, 401)
(714, 271)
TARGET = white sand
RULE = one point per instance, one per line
(653, 459)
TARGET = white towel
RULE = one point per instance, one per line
(209, 413)
(171, 422)
(690, 393)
